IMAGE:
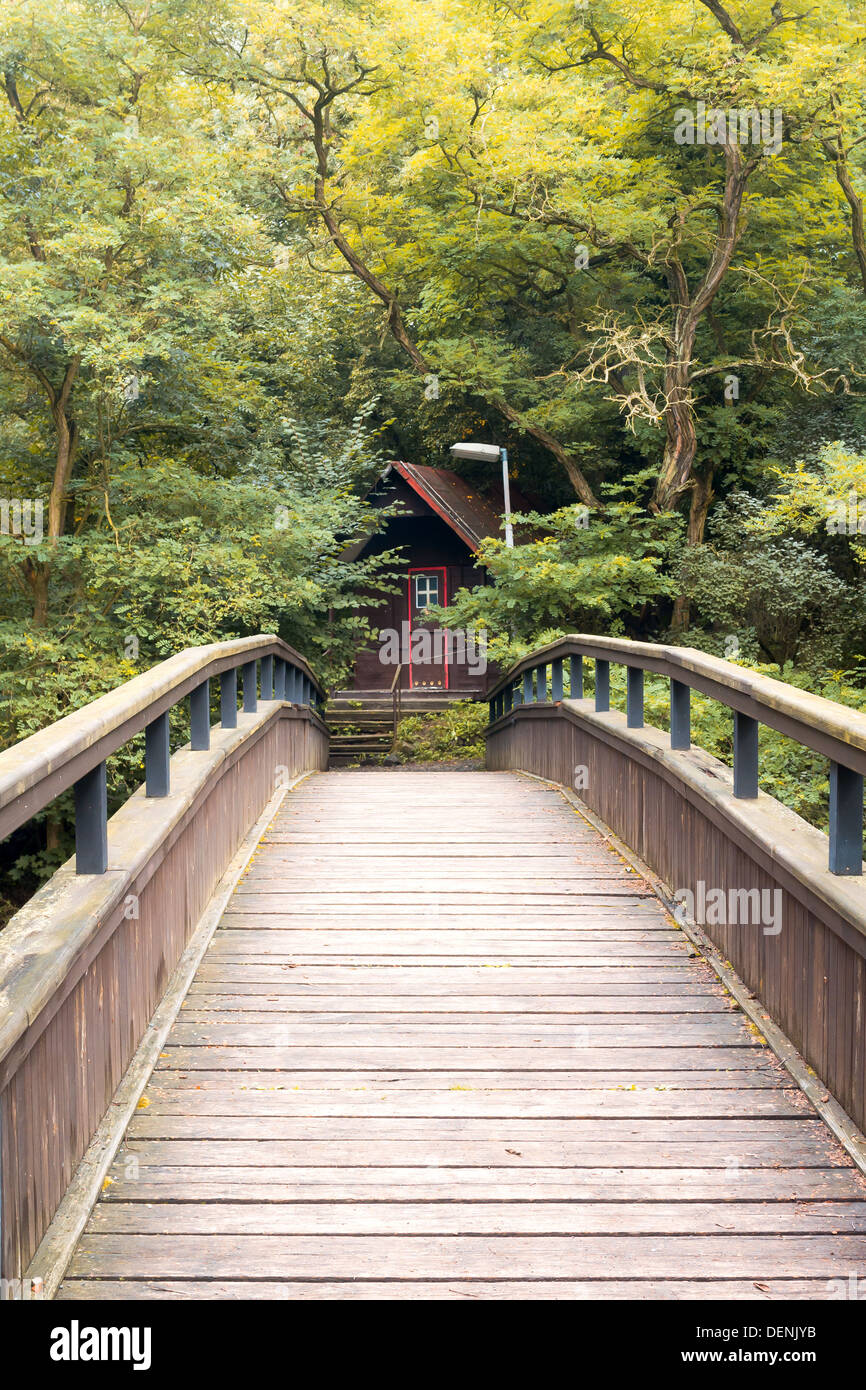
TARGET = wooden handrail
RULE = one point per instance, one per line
(67, 753)
(395, 696)
(833, 730)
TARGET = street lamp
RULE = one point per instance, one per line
(489, 453)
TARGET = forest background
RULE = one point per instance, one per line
(249, 251)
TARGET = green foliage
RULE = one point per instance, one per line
(455, 733)
(770, 592)
(589, 572)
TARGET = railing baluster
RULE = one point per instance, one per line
(157, 756)
(681, 715)
(199, 718)
(745, 756)
(508, 699)
(279, 679)
(267, 677)
(91, 822)
(527, 686)
(575, 688)
(229, 699)
(602, 686)
(634, 698)
(248, 674)
(305, 690)
(846, 820)
(556, 687)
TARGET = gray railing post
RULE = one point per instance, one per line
(745, 756)
(602, 686)
(157, 756)
(267, 677)
(229, 699)
(541, 684)
(846, 820)
(279, 679)
(292, 677)
(556, 681)
(91, 822)
(575, 689)
(517, 693)
(305, 690)
(508, 699)
(681, 715)
(199, 717)
(634, 698)
(248, 674)
(527, 687)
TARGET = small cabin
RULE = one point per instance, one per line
(442, 519)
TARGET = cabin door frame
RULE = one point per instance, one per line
(415, 570)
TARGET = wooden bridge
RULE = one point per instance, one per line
(280, 1032)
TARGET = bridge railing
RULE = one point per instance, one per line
(85, 963)
(783, 902)
(835, 731)
(73, 751)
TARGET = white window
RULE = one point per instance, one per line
(426, 591)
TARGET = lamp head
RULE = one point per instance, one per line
(481, 453)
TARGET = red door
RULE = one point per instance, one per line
(427, 644)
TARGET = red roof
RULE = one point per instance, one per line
(471, 515)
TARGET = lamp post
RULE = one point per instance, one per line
(489, 453)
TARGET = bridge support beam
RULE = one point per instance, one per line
(745, 756)
(576, 677)
(229, 699)
(681, 715)
(199, 718)
(267, 677)
(846, 821)
(91, 822)
(602, 686)
(157, 756)
(634, 697)
(248, 674)
(556, 685)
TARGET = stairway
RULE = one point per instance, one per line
(362, 721)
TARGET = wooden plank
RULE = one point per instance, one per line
(351, 1289)
(756, 1073)
(450, 1151)
(202, 1002)
(189, 1100)
(482, 1257)
(471, 1129)
(168, 1183)
(713, 1031)
(457, 1218)
(665, 1057)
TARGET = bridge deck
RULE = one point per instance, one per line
(445, 1043)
